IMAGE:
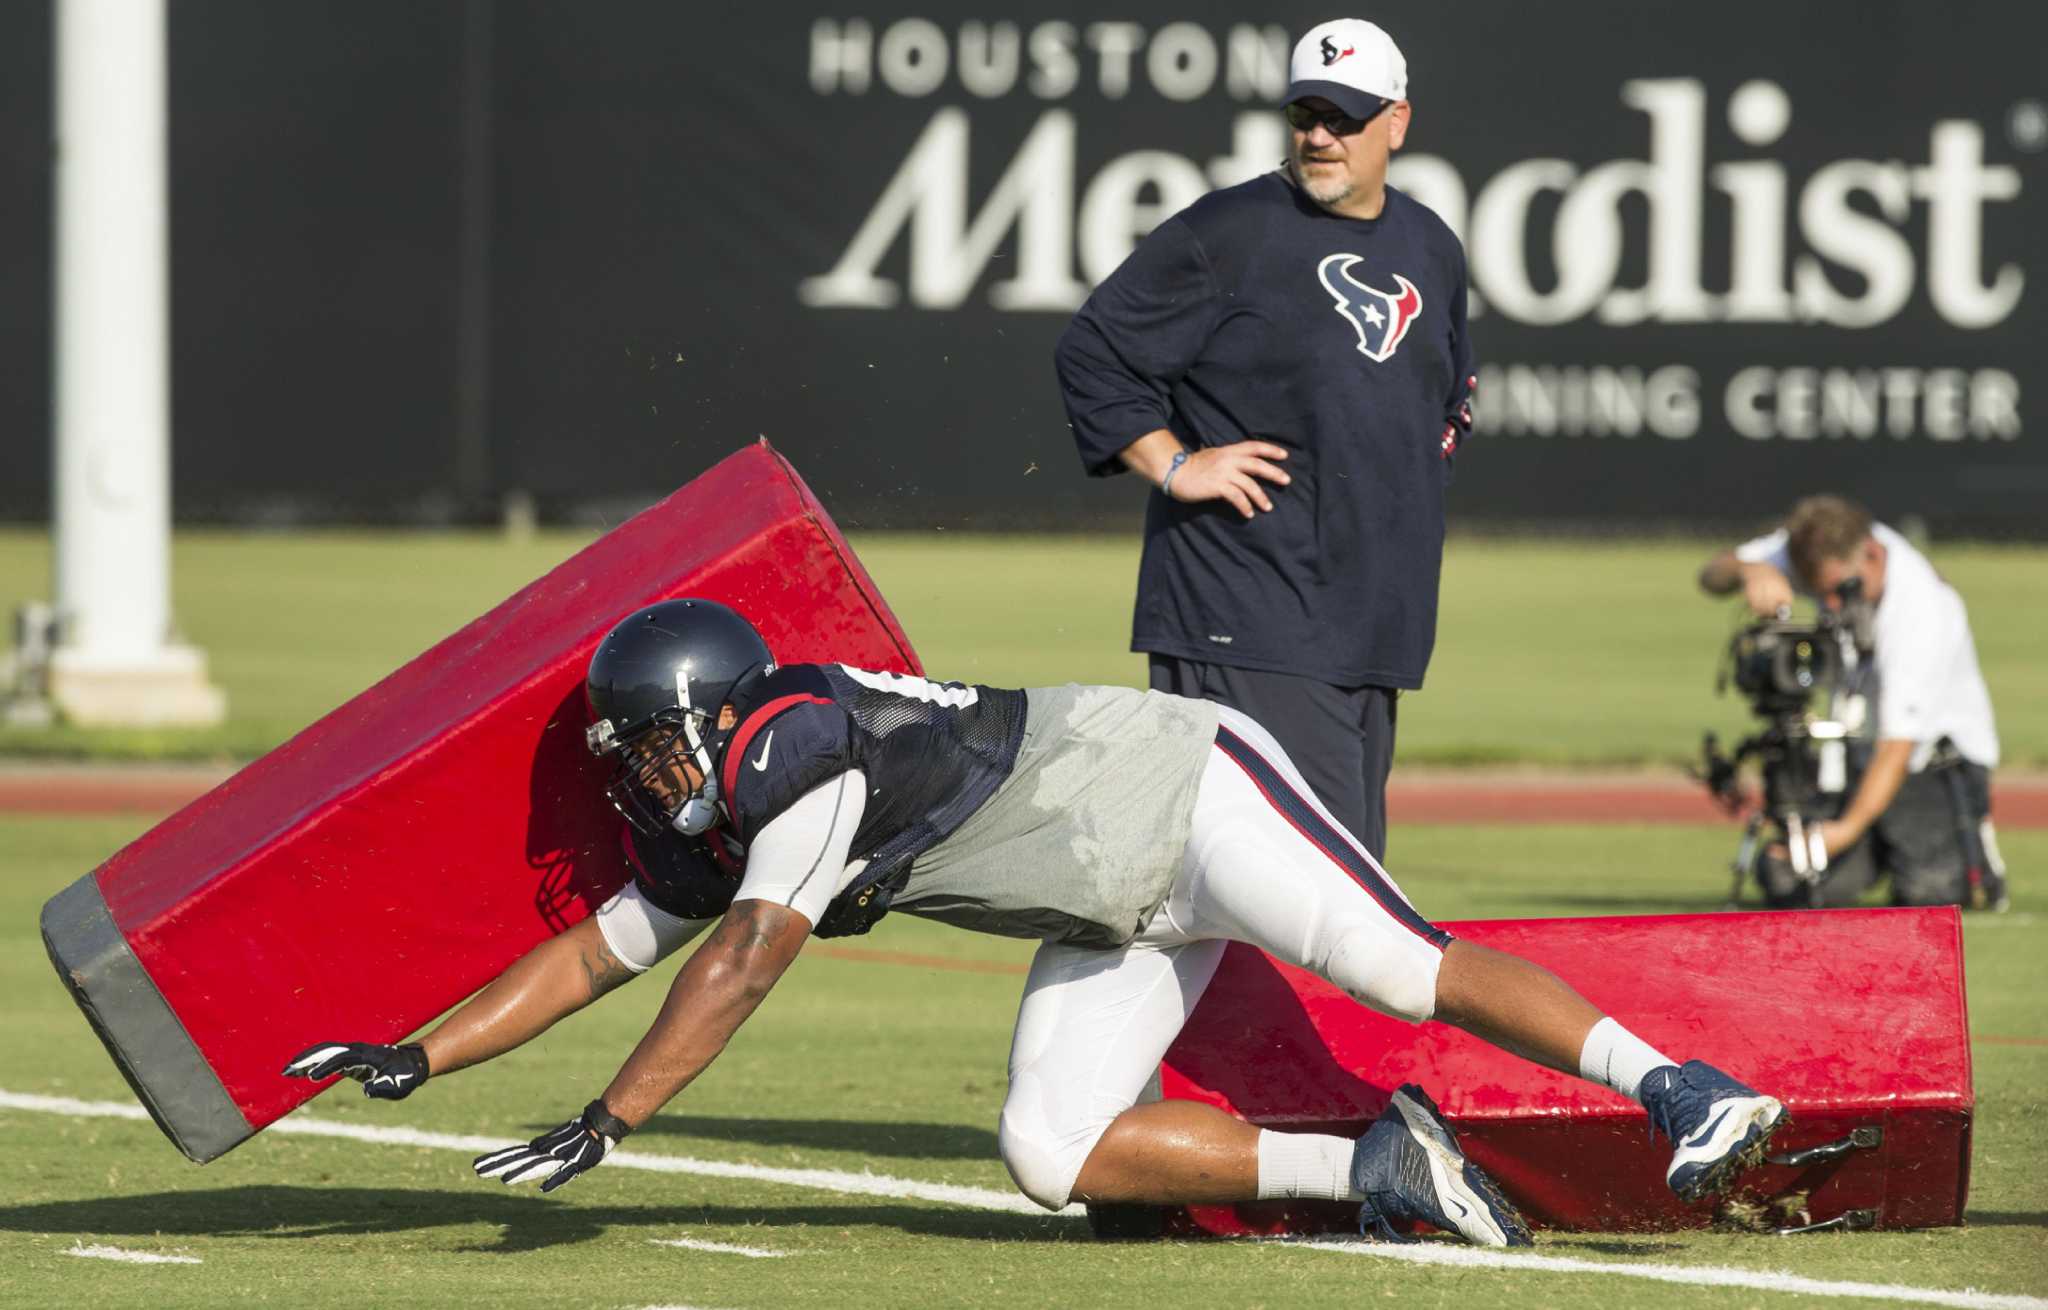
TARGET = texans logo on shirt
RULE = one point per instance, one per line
(1381, 318)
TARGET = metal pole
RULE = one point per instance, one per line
(473, 263)
(114, 663)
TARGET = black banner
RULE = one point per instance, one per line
(425, 256)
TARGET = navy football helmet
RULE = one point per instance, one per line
(655, 687)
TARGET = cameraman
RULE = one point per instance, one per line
(1922, 807)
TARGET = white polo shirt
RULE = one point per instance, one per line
(1928, 682)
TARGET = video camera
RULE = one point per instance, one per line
(1803, 755)
(1779, 664)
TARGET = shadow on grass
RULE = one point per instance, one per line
(528, 1222)
(1575, 1241)
(903, 1141)
(2005, 1219)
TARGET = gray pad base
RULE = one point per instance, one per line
(149, 1044)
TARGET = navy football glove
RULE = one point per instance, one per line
(554, 1157)
(389, 1073)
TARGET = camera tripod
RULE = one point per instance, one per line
(1804, 766)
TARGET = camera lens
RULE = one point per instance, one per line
(1803, 664)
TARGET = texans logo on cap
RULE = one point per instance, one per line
(1349, 62)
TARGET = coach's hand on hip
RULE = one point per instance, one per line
(1230, 472)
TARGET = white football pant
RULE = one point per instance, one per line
(1265, 864)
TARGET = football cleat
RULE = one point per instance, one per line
(1408, 1166)
(1718, 1126)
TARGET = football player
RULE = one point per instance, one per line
(1132, 833)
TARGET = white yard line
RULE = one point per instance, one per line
(1439, 1253)
(823, 1180)
(130, 1257)
(981, 1198)
(719, 1248)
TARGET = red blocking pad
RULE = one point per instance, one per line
(400, 852)
(1855, 1019)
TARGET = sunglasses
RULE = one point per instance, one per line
(1303, 119)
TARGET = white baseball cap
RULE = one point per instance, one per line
(1350, 63)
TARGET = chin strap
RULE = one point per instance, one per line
(702, 811)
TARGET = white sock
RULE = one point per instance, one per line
(1308, 1165)
(1615, 1057)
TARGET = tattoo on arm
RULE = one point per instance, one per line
(742, 929)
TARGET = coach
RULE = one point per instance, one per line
(1286, 361)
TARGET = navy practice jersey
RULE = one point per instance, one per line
(689, 877)
(932, 753)
(1255, 313)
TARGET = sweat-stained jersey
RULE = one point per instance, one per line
(688, 877)
(933, 752)
(1057, 813)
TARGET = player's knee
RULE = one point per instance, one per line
(1393, 977)
(1043, 1162)
(1035, 1166)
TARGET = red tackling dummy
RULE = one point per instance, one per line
(400, 852)
(1855, 1019)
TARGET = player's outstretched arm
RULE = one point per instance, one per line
(550, 982)
(554, 979)
(714, 992)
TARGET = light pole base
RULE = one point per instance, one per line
(165, 688)
(22, 711)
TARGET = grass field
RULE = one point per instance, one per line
(1549, 652)
(895, 1070)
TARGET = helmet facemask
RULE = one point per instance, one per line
(658, 688)
(648, 785)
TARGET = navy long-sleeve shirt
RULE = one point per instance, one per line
(1255, 313)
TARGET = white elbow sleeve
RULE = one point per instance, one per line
(641, 933)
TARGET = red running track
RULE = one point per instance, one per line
(1492, 797)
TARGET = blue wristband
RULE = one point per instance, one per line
(1166, 483)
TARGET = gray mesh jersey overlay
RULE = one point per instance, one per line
(1082, 840)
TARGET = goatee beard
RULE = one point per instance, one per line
(1328, 193)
